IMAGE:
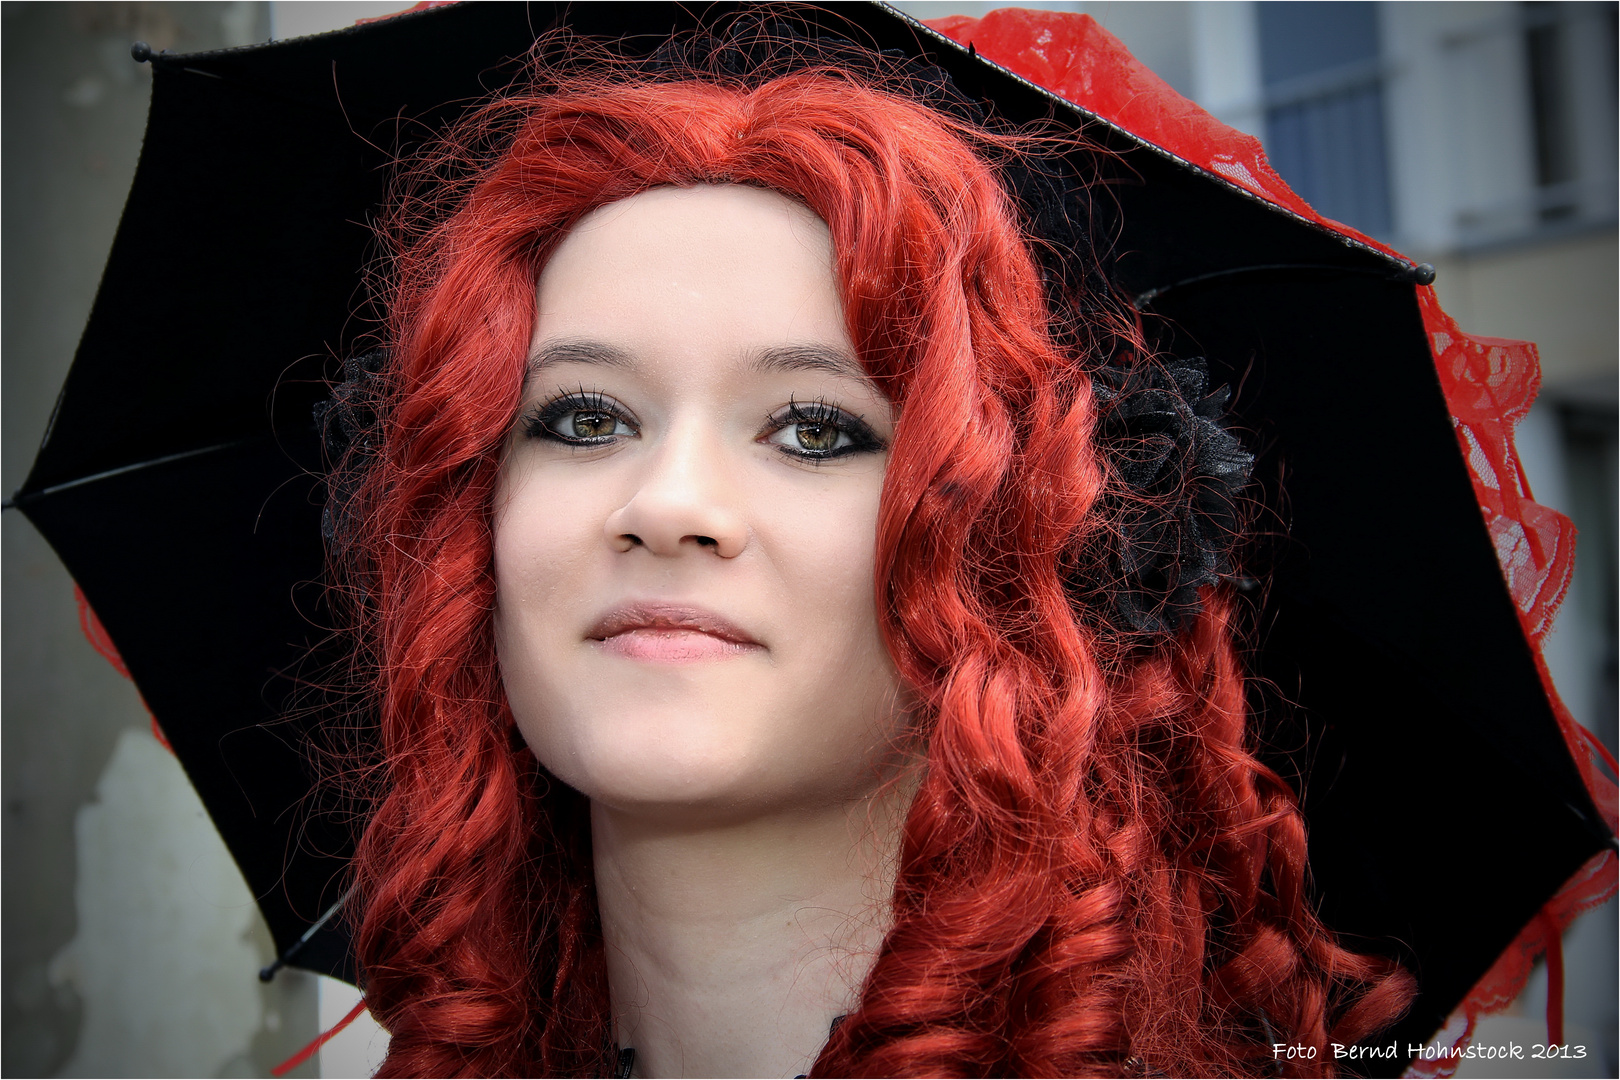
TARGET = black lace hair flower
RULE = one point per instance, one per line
(350, 423)
(1172, 510)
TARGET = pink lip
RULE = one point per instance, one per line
(670, 633)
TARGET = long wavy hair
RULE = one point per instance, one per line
(1096, 876)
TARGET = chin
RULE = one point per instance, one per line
(671, 766)
(652, 759)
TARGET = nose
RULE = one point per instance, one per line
(682, 502)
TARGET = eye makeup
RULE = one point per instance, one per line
(814, 431)
(580, 418)
(819, 431)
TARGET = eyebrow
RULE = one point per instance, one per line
(824, 358)
(574, 352)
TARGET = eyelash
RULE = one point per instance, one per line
(541, 423)
(862, 439)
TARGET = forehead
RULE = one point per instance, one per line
(698, 216)
(711, 267)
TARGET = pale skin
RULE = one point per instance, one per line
(686, 621)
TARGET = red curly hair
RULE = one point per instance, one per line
(1096, 877)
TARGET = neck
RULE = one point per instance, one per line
(732, 948)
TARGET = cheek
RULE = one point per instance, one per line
(543, 560)
(825, 553)
(548, 536)
(531, 551)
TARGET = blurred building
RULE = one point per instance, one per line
(1477, 136)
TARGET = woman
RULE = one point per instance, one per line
(687, 364)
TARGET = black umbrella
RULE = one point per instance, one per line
(178, 478)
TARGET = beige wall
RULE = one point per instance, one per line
(1562, 294)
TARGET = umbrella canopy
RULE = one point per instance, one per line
(179, 478)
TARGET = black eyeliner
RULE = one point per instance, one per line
(862, 438)
(538, 422)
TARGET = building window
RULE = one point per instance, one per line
(1556, 75)
(1323, 85)
(1549, 112)
(1535, 85)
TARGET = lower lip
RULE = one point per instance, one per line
(674, 646)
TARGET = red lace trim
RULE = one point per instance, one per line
(102, 642)
(1489, 385)
(424, 5)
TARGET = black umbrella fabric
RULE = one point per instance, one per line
(179, 477)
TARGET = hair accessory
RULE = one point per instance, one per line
(350, 422)
(1174, 506)
(1176, 470)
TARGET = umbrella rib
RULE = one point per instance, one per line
(30, 496)
(268, 972)
(1420, 274)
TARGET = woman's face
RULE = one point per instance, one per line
(686, 513)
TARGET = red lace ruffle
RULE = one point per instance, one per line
(1489, 385)
(102, 642)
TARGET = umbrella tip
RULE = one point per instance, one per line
(1421, 274)
(141, 51)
